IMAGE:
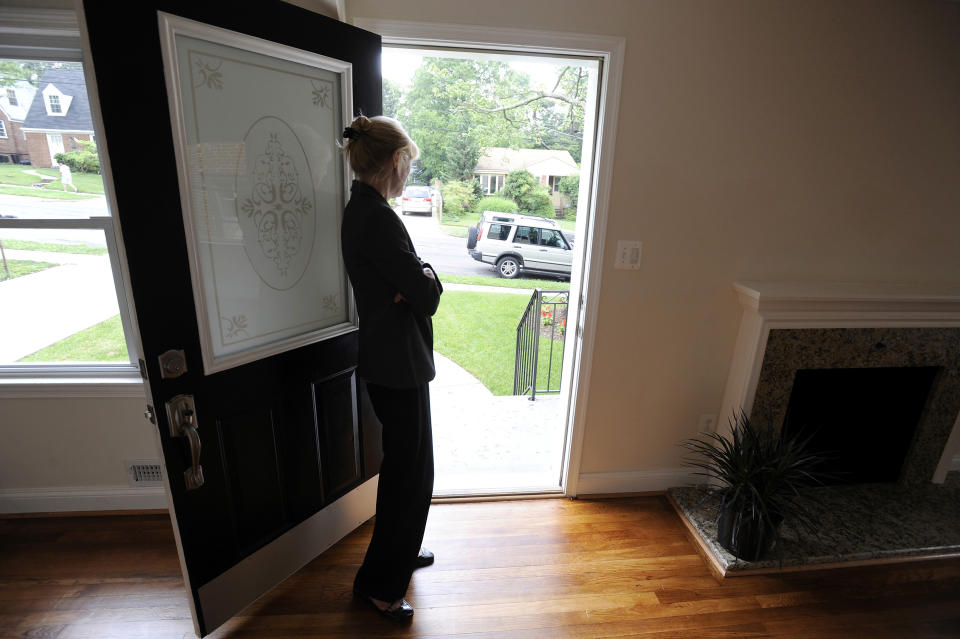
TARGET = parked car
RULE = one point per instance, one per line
(516, 244)
(416, 199)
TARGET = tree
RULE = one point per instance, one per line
(531, 197)
(440, 113)
(12, 71)
(392, 99)
(456, 107)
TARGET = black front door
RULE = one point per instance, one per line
(276, 456)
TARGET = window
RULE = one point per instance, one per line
(3, 129)
(499, 232)
(527, 235)
(12, 97)
(490, 184)
(553, 238)
(61, 290)
(554, 182)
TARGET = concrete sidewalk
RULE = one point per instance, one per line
(42, 308)
(485, 444)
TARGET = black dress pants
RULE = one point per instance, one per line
(404, 492)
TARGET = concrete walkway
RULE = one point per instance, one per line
(42, 308)
(487, 444)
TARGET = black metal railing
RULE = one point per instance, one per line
(541, 334)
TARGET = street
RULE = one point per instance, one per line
(447, 254)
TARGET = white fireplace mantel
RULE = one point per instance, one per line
(773, 305)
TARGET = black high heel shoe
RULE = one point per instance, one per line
(425, 558)
(398, 612)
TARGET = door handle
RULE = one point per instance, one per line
(182, 419)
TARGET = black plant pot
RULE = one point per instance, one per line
(745, 537)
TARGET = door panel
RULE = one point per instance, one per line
(252, 469)
(336, 417)
(290, 446)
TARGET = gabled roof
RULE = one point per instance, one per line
(24, 92)
(497, 159)
(69, 82)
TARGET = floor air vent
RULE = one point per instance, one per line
(145, 473)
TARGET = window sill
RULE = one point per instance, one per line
(64, 387)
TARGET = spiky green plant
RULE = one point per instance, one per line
(762, 476)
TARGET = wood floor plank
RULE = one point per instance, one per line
(532, 569)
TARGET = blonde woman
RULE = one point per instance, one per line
(397, 294)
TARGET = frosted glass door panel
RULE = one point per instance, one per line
(263, 188)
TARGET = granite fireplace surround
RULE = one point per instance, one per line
(791, 327)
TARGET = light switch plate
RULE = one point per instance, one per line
(628, 255)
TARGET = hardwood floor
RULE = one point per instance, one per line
(545, 569)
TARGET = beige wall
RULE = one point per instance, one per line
(760, 139)
(757, 139)
(71, 442)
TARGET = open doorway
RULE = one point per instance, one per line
(494, 204)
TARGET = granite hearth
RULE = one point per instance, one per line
(789, 330)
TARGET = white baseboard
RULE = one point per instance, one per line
(636, 481)
(81, 498)
(955, 464)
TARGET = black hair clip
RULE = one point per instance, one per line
(350, 133)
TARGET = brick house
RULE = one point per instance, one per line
(14, 104)
(58, 117)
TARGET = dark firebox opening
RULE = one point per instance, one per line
(865, 418)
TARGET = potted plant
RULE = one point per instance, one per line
(762, 479)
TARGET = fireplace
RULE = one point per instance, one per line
(863, 420)
(801, 332)
(877, 368)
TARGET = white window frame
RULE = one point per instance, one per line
(55, 35)
(3, 130)
(12, 97)
(53, 104)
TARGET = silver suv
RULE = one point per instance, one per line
(517, 244)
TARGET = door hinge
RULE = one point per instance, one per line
(143, 368)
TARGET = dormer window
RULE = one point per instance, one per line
(12, 97)
(56, 101)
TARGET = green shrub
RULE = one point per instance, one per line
(532, 198)
(570, 187)
(457, 199)
(497, 203)
(83, 160)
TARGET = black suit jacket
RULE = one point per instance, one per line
(396, 338)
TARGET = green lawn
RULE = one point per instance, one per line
(26, 245)
(520, 282)
(476, 330)
(22, 267)
(47, 194)
(479, 332)
(15, 180)
(102, 342)
(458, 228)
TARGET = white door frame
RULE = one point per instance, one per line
(578, 356)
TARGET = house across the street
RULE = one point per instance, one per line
(548, 166)
(58, 117)
(15, 101)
